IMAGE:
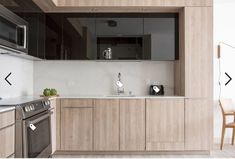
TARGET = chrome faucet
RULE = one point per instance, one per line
(120, 88)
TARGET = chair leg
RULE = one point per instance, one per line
(233, 136)
(222, 138)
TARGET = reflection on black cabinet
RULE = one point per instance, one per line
(131, 36)
(69, 37)
(123, 48)
(86, 36)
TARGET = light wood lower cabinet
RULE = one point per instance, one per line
(53, 124)
(198, 124)
(132, 124)
(164, 124)
(7, 134)
(106, 125)
(77, 125)
(7, 138)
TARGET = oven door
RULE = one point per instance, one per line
(37, 136)
(14, 30)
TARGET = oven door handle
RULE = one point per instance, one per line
(39, 119)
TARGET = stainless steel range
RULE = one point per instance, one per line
(33, 129)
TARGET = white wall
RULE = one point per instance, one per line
(98, 78)
(21, 78)
(224, 31)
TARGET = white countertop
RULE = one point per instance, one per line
(113, 97)
(6, 109)
(10, 103)
(17, 101)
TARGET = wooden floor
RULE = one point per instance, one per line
(228, 152)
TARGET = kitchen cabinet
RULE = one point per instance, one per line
(91, 4)
(77, 124)
(164, 124)
(198, 124)
(161, 39)
(201, 3)
(7, 134)
(70, 36)
(85, 36)
(198, 52)
(53, 125)
(106, 124)
(132, 124)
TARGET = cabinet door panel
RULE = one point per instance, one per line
(199, 3)
(164, 124)
(7, 138)
(53, 124)
(198, 52)
(76, 127)
(119, 3)
(164, 3)
(106, 125)
(198, 124)
(132, 125)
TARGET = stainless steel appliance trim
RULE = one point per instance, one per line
(38, 119)
(24, 27)
(25, 140)
(10, 16)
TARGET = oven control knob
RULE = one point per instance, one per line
(26, 109)
(32, 107)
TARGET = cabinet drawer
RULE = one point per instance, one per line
(7, 118)
(76, 103)
(7, 138)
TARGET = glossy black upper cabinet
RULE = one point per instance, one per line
(70, 37)
(122, 34)
(35, 17)
(161, 36)
(137, 36)
(129, 36)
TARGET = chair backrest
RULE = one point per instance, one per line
(227, 106)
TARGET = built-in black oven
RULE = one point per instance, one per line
(33, 130)
(37, 135)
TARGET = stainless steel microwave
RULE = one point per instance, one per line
(13, 31)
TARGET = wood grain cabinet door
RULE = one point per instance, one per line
(164, 124)
(199, 52)
(106, 125)
(7, 134)
(118, 3)
(132, 124)
(201, 3)
(54, 125)
(7, 139)
(77, 125)
(198, 124)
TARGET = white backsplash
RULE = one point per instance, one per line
(98, 78)
(21, 77)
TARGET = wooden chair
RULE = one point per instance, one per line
(228, 109)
